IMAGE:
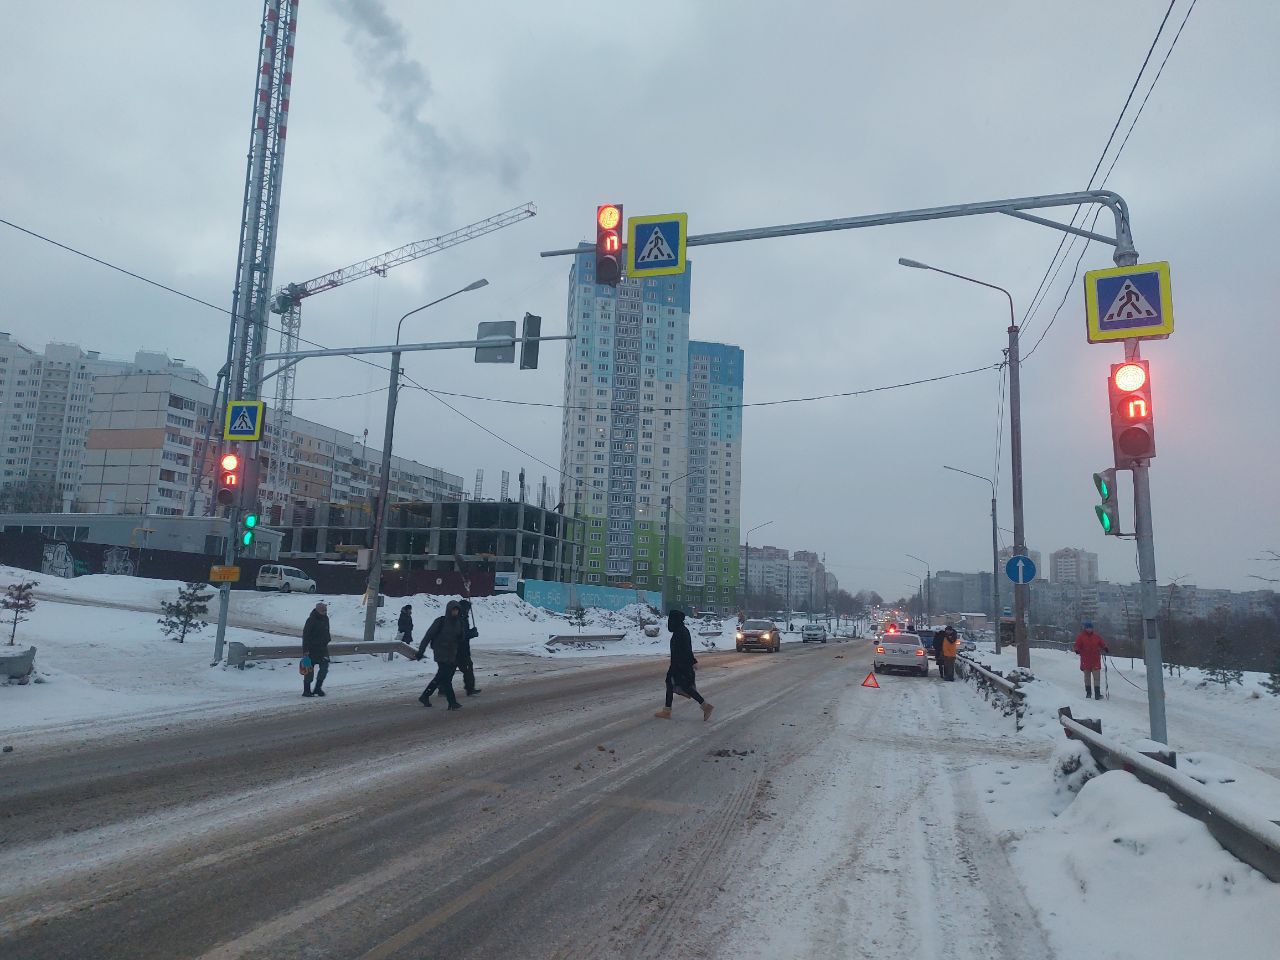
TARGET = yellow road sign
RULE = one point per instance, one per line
(656, 244)
(244, 420)
(221, 574)
(1125, 303)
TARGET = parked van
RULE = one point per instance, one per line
(273, 576)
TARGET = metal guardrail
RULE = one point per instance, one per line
(585, 637)
(1248, 837)
(1003, 694)
(238, 654)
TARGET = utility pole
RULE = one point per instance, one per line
(1015, 461)
(747, 541)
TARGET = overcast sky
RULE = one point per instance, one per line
(126, 126)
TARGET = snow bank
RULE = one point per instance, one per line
(1121, 873)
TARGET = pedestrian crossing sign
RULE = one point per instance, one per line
(656, 244)
(244, 420)
(1129, 303)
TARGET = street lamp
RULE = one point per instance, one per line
(746, 570)
(666, 541)
(928, 579)
(384, 481)
(1015, 456)
(995, 553)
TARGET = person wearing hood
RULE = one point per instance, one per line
(404, 626)
(465, 665)
(680, 674)
(315, 644)
(950, 647)
(444, 637)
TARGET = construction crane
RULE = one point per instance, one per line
(287, 302)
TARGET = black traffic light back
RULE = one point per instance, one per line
(529, 351)
(1133, 431)
(609, 243)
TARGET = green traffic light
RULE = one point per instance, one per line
(247, 538)
(251, 520)
(1104, 518)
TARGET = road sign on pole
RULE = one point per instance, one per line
(656, 244)
(1129, 303)
(1020, 569)
(244, 420)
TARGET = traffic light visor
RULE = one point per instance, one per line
(1102, 482)
(1130, 376)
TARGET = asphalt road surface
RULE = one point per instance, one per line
(553, 817)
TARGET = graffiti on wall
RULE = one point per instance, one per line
(117, 560)
(57, 561)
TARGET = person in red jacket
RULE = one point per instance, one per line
(1090, 646)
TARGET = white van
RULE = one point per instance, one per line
(273, 576)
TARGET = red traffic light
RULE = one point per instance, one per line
(609, 243)
(1133, 436)
(230, 461)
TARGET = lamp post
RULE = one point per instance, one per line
(919, 586)
(746, 570)
(666, 542)
(1015, 456)
(384, 481)
(995, 553)
(928, 589)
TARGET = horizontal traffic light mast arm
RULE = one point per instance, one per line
(297, 356)
(1016, 207)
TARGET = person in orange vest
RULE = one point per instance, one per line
(950, 647)
(1090, 646)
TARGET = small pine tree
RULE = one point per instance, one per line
(578, 617)
(185, 615)
(1218, 669)
(18, 601)
(1272, 683)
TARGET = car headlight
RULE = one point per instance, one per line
(765, 635)
(739, 636)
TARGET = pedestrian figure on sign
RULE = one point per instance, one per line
(443, 637)
(465, 666)
(315, 644)
(1090, 646)
(680, 675)
(950, 646)
(404, 626)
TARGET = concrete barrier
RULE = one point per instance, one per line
(238, 654)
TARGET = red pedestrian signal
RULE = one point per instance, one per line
(609, 243)
(1133, 432)
(228, 479)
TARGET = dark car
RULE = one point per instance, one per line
(759, 635)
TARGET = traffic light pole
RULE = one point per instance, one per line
(224, 590)
(1143, 532)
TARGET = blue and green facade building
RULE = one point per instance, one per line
(650, 414)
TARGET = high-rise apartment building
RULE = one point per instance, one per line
(1073, 565)
(650, 416)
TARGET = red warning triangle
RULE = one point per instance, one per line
(871, 680)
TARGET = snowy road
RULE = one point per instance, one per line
(555, 818)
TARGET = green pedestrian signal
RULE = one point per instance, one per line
(1108, 510)
(250, 523)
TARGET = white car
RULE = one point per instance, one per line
(813, 631)
(901, 651)
(274, 576)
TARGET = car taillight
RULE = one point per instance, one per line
(879, 649)
(919, 651)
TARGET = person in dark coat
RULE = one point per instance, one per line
(680, 674)
(404, 626)
(465, 665)
(937, 651)
(444, 637)
(315, 644)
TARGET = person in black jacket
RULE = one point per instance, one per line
(404, 626)
(680, 674)
(465, 666)
(444, 636)
(315, 644)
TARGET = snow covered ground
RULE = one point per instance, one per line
(101, 653)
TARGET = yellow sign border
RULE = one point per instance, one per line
(1155, 331)
(679, 267)
(226, 424)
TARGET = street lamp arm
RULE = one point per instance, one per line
(476, 285)
(960, 276)
(976, 476)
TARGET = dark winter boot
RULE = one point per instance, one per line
(319, 692)
(1097, 694)
(1088, 692)
(472, 693)
(455, 705)
(424, 699)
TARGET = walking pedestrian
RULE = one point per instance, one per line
(680, 674)
(404, 626)
(937, 651)
(443, 637)
(315, 644)
(950, 646)
(465, 666)
(1090, 646)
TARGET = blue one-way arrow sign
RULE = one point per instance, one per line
(1020, 569)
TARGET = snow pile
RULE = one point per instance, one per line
(1121, 873)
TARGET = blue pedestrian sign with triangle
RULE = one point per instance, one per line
(244, 420)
